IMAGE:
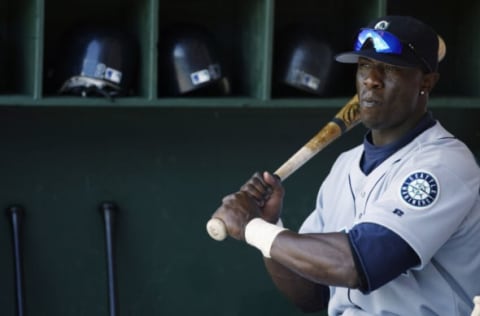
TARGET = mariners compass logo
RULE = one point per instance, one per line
(420, 189)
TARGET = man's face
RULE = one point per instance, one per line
(388, 95)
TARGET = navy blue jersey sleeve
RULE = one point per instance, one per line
(380, 255)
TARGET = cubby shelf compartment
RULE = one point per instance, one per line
(246, 32)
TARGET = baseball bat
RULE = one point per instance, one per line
(344, 120)
(108, 210)
(16, 214)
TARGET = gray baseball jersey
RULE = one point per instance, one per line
(428, 193)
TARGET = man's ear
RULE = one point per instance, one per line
(430, 80)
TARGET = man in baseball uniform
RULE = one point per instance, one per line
(396, 228)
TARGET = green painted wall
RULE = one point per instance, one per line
(167, 170)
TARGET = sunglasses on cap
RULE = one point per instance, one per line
(385, 43)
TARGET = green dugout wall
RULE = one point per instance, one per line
(167, 161)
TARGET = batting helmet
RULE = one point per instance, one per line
(98, 62)
(189, 62)
(303, 60)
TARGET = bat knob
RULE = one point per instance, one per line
(107, 206)
(15, 209)
(216, 229)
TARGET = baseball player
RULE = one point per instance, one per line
(396, 227)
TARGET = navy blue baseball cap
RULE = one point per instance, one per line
(397, 40)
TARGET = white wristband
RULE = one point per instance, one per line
(261, 234)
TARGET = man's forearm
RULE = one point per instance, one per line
(306, 295)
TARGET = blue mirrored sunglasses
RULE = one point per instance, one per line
(382, 41)
(385, 42)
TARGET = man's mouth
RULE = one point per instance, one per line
(369, 102)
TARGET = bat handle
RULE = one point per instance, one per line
(217, 229)
(108, 210)
(16, 213)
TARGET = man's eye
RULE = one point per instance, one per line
(362, 65)
(391, 68)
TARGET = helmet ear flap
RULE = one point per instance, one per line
(98, 61)
(189, 62)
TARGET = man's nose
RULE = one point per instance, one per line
(374, 77)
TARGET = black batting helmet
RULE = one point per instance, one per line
(189, 62)
(98, 61)
(303, 60)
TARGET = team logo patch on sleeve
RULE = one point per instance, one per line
(420, 189)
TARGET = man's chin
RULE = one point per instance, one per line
(370, 122)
